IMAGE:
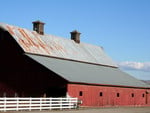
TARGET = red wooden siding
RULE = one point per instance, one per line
(109, 96)
(148, 97)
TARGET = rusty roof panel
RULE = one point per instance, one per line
(50, 45)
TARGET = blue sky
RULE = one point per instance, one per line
(122, 27)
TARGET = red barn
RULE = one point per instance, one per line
(36, 64)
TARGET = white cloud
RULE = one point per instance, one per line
(141, 66)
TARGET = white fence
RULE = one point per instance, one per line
(17, 104)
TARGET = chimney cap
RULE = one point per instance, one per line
(75, 31)
(38, 21)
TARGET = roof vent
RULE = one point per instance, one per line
(75, 35)
(38, 26)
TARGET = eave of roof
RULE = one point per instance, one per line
(111, 85)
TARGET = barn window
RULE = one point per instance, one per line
(118, 94)
(101, 94)
(132, 95)
(80, 93)
(143, 95)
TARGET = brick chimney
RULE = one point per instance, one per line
(75, 35)
(38, 26)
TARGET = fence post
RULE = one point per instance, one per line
(30, 101)
(5, 101)
(40, 104)
(17, 102)
(76, 103)
(61, 103)
(70, 103)
(50, 102)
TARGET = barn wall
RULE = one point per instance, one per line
(108, 96)
(22, 76)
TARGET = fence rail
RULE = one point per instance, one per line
(10, 104)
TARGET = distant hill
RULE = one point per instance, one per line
(146, 81)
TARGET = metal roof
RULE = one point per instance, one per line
(87, 73)
(32, 42)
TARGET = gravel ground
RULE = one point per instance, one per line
(95, 110)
